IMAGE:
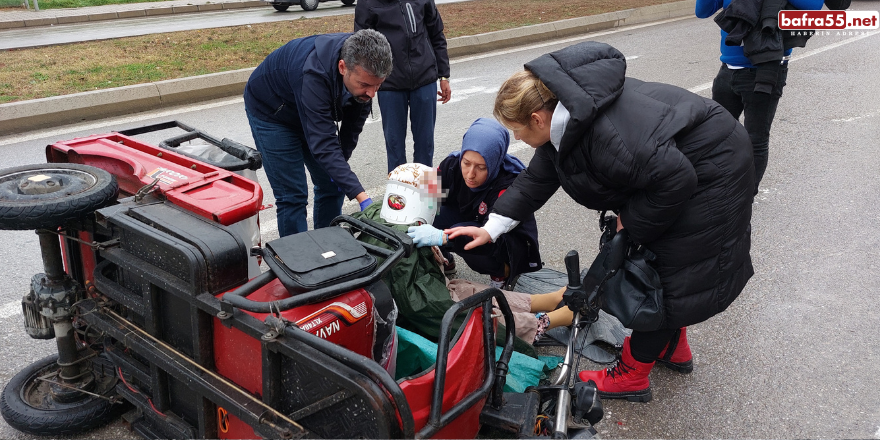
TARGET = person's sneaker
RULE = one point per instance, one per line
(497, 282)
(449, 268)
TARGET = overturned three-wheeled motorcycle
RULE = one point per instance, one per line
(153, 292)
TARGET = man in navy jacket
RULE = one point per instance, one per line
(294, 100)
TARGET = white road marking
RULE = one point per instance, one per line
(856, 118)
(10, 309)
(877, 434)
(462, 94)
(103, 123)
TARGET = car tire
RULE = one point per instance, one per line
(27, 405)
(348, 2)
(308, 5)
(280, 7)
(82, 189)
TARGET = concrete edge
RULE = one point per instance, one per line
(22, 116)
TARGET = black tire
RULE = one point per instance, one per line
(83, 189)
(27, 406)
(348, 2)
(308, 5)
(280, 7)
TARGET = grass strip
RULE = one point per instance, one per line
(79, 67)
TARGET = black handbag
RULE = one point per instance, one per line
(631, 290)
(319, 258)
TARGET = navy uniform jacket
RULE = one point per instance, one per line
(299, 85)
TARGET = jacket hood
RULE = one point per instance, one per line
(586, 78)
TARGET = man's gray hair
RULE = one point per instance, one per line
(368, 50)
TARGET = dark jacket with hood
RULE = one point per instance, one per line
(675, 166)
(299, 85)
(754, 25)
(414, 30)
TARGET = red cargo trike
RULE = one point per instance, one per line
(147, 293)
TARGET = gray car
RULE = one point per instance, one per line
(308, 5)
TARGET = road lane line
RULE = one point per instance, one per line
(101, 124)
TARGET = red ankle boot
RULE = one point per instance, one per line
(628, 379)
(677, 354)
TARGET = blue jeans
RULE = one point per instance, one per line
(284, 153)
(422, 105)
(734, 90)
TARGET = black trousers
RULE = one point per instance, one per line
(647, 346)
(734, 90)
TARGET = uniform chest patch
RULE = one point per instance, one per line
(483, 208)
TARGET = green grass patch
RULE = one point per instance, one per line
(57, 4)
(71, 68)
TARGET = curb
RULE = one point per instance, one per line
(17, 117)
(49, 21)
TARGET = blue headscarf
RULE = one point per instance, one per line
(489, 139)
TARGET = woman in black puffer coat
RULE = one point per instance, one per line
(676, 167)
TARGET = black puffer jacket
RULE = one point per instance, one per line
(414, 30)
(676, 166)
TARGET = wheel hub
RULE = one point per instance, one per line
(69, 392)
(40, 184)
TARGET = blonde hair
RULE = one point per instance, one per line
(520, 96)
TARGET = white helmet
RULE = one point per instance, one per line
(411, 195)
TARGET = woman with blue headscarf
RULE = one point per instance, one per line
(473, 179)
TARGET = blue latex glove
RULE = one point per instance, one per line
(366, 203)
(426, 235)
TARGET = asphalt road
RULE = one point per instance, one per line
(103, 30)
(794, 357)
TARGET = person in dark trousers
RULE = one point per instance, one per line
(751, 85)
(473, 179)
(676, 167)
(294, 100)
(415, 31)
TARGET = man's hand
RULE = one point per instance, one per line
(480, 236)
(363, 200)
(426, 235)
(445, 92)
